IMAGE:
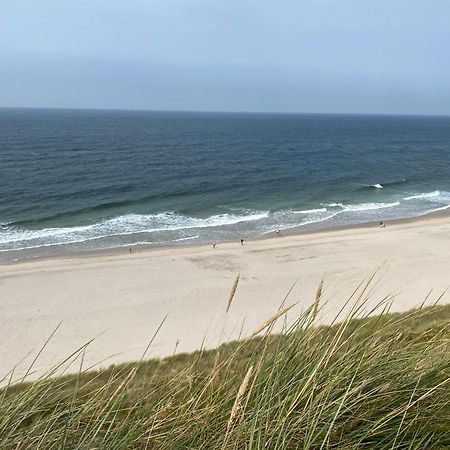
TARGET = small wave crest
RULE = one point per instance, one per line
(442, 208)
(183, 239)
(310, 211)
(67, 215)
(423, 195)
(369, 206)
(314, 219)
(371, 186)
(322, 219)
(383, 185)
(395, 182)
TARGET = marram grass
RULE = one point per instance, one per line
(378, 382)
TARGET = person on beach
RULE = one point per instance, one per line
(242, 241)
(382, 225)
(213, 245)
(277, 231)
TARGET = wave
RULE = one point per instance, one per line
(423, 195)
(79, 241)
(71, 214)
(369, 206)
(365, 187)
(323, 219)
(442, 208)
(382, 185)
(135, 244)
(310, 211)
(121, 226)
(171, 227)
(395, 182)
(302, 224)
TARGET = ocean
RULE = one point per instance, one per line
(80, 180)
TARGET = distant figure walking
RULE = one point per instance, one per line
(242, 241)
(382, 224)
(214, 245)
(130, 250)
(277, 231)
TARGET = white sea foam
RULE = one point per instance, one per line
(310, 211)
(119, 226)
(372, 186)
(323, 219)
(442, 208)
(170, 227)
(187, 238)
(369, 206)
(309, 221)
(423, 195)
(79, 241)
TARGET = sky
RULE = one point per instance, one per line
(332, 56)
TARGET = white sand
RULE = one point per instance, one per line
(120, 300)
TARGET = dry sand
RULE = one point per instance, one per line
(121, 299)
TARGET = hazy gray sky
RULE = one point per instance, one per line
(379, 56)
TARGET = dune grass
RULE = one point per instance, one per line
(378, 382)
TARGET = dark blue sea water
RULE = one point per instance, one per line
(81, 180)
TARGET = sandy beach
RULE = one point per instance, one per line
(120, 300)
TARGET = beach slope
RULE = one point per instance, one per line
(121, 299)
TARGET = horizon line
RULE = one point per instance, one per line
(199, 111)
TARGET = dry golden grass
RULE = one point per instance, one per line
(366, 382)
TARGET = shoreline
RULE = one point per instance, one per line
(148, 247)
(120, 300)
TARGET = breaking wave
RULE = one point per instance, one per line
(130, 224)
(310, 211)
(173, 227)
(369, 206)
(423, 195)
(383, 185)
